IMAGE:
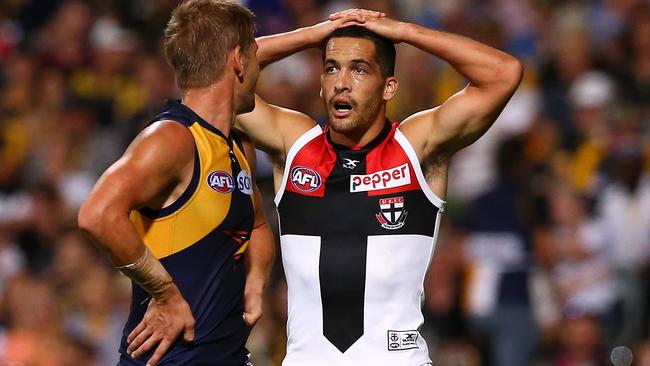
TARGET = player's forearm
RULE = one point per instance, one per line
(278, 46)
(482, 65)
(261, 252)
(112, 232)
(116, 237)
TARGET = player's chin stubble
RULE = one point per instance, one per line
(343, 126)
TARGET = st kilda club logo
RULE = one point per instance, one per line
(392, 214)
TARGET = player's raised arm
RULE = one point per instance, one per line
(493, 78)
(278, 46)
(260, 251)
(148, 168)
(272, 128)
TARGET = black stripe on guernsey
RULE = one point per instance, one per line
(237, 139)
(344, 221)
(342, 291)
(187, 194)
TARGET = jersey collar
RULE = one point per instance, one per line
(176, 104)
(369, 146)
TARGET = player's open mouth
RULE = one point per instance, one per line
(342, 108)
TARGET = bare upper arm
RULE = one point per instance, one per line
(460, 120)
(159, 159)
(273, 129)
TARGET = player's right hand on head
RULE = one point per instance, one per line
(165, 319)
(354, 16)
(351, 16)
(343, 19)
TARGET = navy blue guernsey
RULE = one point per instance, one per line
(201, 239)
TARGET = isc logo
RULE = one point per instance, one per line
(305, 179)
(244, 182)
(221, 181)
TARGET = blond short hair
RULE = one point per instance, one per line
(200, 35)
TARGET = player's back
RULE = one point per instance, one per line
(201, 240)
(358, 229)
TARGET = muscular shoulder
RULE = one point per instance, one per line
(274, 129)
(421, 132)
(159, 159)
(164, 145)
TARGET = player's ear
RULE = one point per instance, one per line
(321, 92)
(390, 88)
(238, 61)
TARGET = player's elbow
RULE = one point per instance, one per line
(511, 70)
(90, 220)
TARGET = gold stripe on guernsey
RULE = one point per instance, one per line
(204, 211)
(242, 248)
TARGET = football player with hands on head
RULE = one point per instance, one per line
(360, 201)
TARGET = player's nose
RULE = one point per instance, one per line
(342, 82)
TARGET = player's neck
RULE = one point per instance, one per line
(214, 103)
(362, 136)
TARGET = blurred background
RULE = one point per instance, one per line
(544, 251)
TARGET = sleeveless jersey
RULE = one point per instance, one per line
(358, 227)
(201, 240)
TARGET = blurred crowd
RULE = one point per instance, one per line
(544, 253)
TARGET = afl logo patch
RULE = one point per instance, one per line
(221, 181)
(305, 179)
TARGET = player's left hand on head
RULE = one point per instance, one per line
(387, 27)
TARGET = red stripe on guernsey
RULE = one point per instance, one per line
(311, 167)
(387, 156)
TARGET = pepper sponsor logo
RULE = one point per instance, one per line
(383, 179)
